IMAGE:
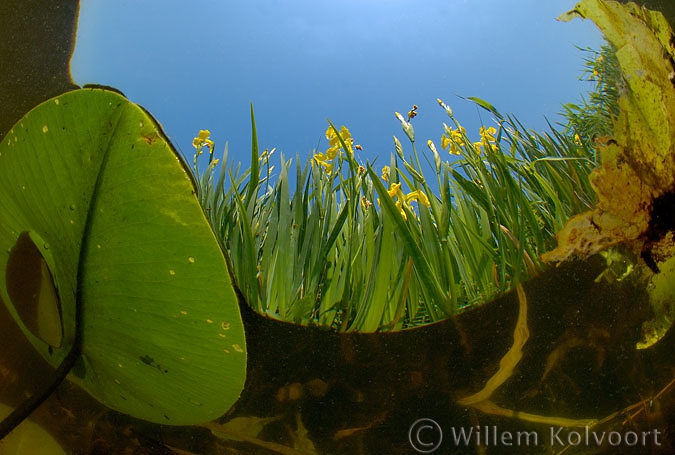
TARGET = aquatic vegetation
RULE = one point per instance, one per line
(365, 258)
(352, 250)
(594, 117)
(635, 184)
(637, 162)
(103, 249)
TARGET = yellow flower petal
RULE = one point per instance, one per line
(344, 133)
(399, 206)
(330, 133)
(332, 152)
(488, 134)
(457, 135)
(419, 196)
(385, 173)
(328, 167)
(395, 189)
(445, 142)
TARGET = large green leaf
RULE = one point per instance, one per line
(101, 232)
(637, 165)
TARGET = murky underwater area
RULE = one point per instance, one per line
(580, 387)
(559, 365)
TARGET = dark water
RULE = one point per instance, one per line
(360, 393)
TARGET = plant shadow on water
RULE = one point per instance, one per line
(360, 393)
(311, 390)
(579, 361)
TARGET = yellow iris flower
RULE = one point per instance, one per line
(385, 173)
(327, 166)
(418, 196)
(395, 190)
(334, 143)
(487, 138)
(488, 134)
(334, 146)
(202, 140)
(451, 139)
(403, 199)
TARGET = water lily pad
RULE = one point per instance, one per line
(101, 233)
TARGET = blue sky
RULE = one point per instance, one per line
(198, 64)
